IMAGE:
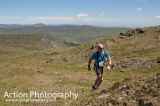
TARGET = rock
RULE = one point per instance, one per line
(134, 64)
(131, 92)
(130, 33)
(39, 71)
(50, 53)
(124, 35)
(141, 102)
(158, 59)
(50, 60)
(53, 53)
(115, 86)
(103, 91)
(124, 104)
(103, 96)
(149, 104)
(110, 104)
(71, 43)
(139, 31)
(65, 59)
(124, 87)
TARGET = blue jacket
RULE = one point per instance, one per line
(100, 57)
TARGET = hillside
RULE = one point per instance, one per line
(133, 81)
(79, 33)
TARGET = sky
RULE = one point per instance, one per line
(128, 13)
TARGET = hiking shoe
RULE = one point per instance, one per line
(93, 87)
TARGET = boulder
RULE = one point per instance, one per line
(139, 31)
(130, 33)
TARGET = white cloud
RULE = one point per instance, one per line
(37, 17)
(139, 9)
(77, 18)
(82, 15)
(158, 17)
(51, 18)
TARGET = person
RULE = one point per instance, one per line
(100, 57)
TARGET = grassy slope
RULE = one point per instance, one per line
(24, 68)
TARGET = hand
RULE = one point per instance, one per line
(89, 68)
(108, 67)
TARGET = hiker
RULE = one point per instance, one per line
(100, 57)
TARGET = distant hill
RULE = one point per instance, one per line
(70, 32)
(48, 35)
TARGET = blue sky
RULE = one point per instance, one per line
(90, 12)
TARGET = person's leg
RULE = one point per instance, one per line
(100, 77)
(98, 80)
(95, 84)
(97, 77)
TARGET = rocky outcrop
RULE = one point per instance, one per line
(133, 32)
(135, 63)
(142, 92)
(129, 92)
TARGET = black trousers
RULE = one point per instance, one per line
(98, 70)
